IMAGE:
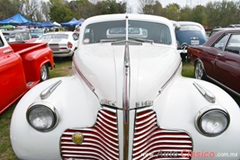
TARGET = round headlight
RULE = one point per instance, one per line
(42, 117)
(212, 122)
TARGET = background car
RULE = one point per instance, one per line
(189, 34)
(37, 32)
(219, 59)
(22, 66)
(63, 44)
(21, 35)
(234, 25)
(219, 29)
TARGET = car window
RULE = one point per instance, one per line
(26, 35)
(1, 42)
(221, 43)
(116, 31)
(7, 36)
(190, 27)
(19, 37)
(233, 45)
(54, 36)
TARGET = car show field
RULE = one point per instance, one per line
(102, 108)
(119, 83)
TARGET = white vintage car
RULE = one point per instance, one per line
(63, 44)
(126, 100)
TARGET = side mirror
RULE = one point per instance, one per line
(75, 36)
(177, 26)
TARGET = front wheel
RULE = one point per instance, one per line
(199, 72)
(44, 74)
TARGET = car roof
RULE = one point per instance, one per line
(221, 32)
(62, 32)
(228, 28)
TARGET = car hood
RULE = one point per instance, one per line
(151, 66)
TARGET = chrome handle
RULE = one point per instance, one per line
(220, 54)
(7, 51)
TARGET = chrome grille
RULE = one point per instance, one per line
(149, 141)
(152, 142)
(100, 140)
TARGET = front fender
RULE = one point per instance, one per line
(75, 104)
(178, 106)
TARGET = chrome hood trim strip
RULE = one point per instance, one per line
(205, 93)
(48, 91)
(126, 97)
(169, 80)
(83, 77)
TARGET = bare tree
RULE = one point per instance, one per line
(143, 3)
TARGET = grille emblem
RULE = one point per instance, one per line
(77, 138)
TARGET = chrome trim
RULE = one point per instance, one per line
(206, 93)
(126, 96)
(105, 102)
(7, 51)
(48, 106)
(83, 77)
(48, 91)
(169, 80)
(150, 138)
(101, 141)
(144, 104)
(126, 27)
(207, 109)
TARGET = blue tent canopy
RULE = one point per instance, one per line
(47, 24)
(71, 23)
(17, 19)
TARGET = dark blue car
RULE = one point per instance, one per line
(189, 33)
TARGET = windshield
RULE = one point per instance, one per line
(112, 31)
(7, 36)
(36, 33)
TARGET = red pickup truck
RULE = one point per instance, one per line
(22, 66)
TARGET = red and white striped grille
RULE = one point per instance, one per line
(152, 142)
(100, 141)
(149, 142)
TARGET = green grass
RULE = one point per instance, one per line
(188, 70)
(6, 152)
(63, 67)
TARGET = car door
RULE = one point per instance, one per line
(12, 77)
(227, 64)
(210, 54)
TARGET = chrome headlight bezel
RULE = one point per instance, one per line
(42, 108)
(212, 110)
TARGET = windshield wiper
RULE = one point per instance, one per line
(141, 40)
(108, 40)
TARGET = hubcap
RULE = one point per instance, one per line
(198, 71)
(44, 72)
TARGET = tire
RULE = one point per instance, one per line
(199, 72)
(44, 73)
